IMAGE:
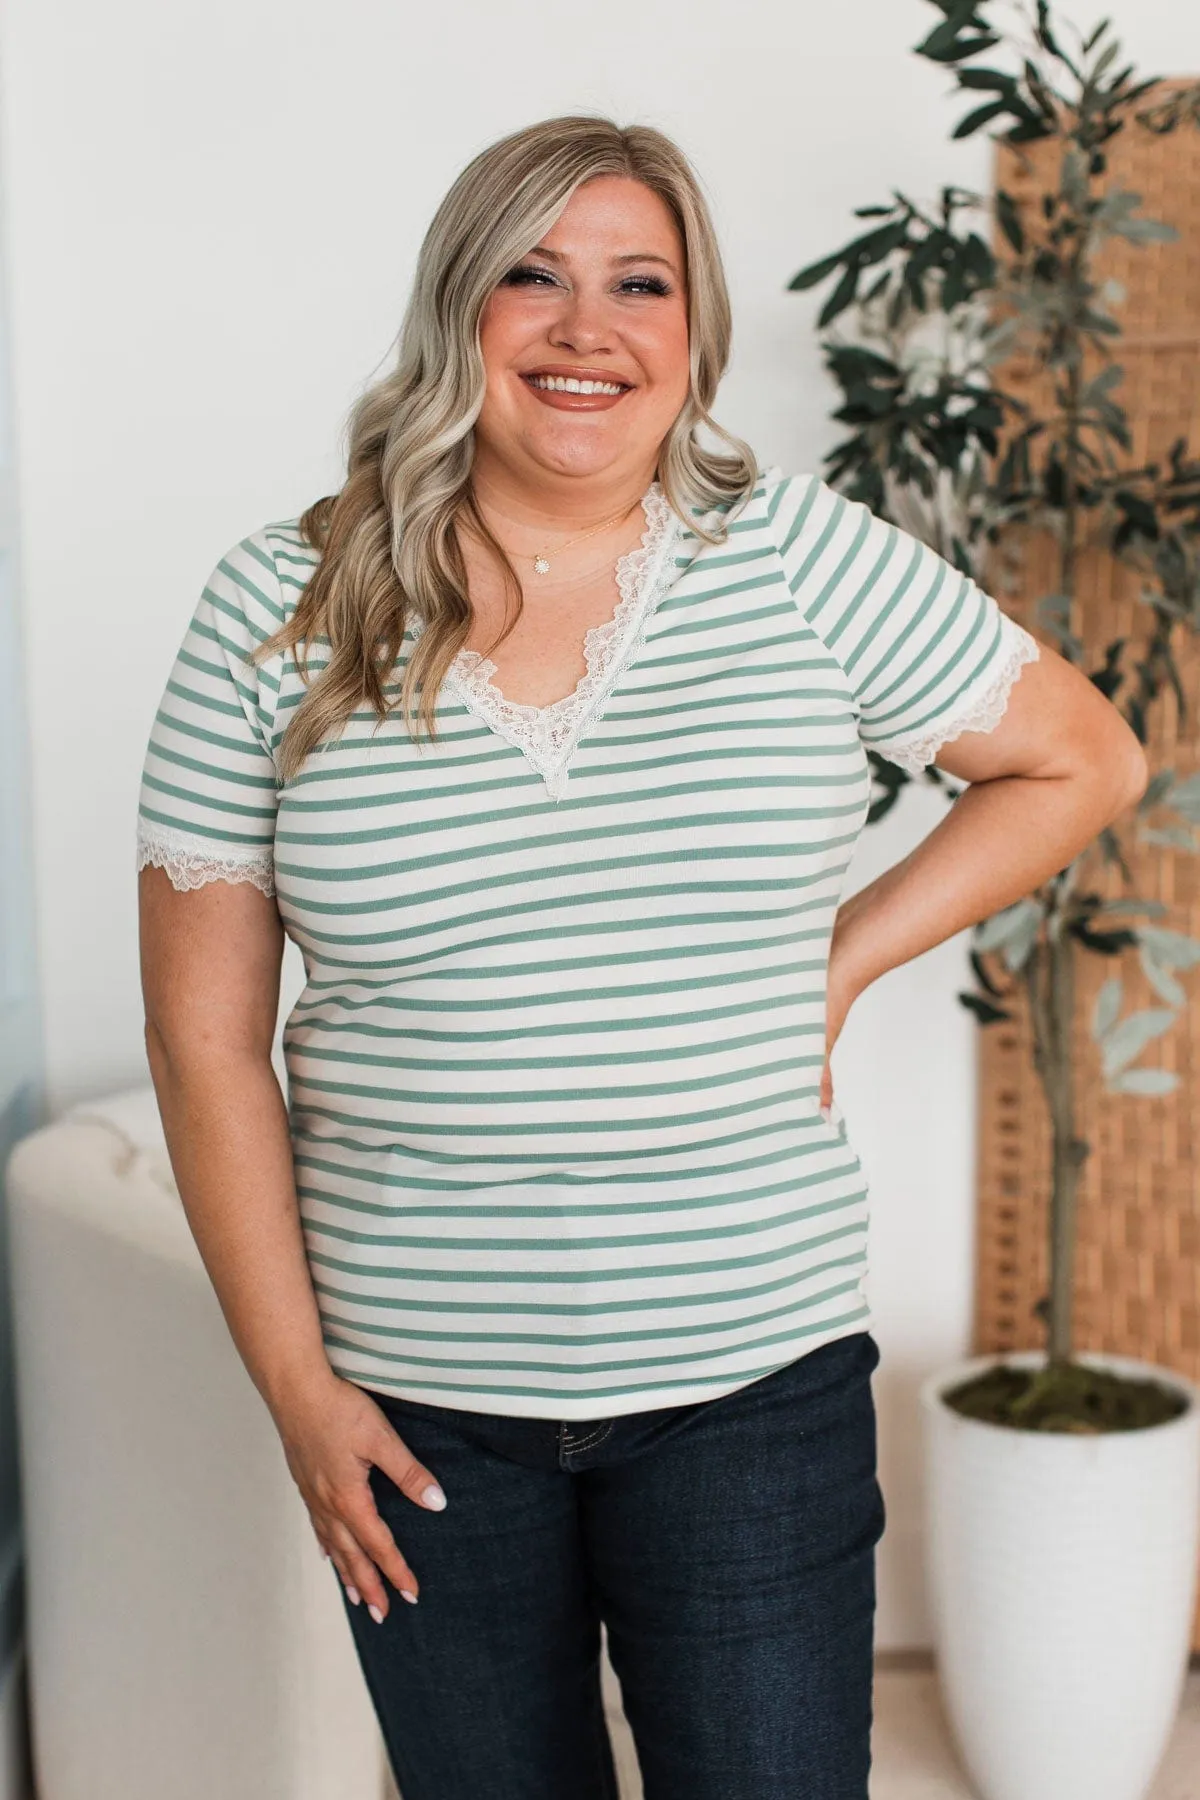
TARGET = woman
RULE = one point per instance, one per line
(545, 740)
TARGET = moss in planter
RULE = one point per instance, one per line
(1065, 1396)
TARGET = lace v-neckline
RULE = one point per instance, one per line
(548, 735)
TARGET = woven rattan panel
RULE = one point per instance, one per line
(1138, 1272)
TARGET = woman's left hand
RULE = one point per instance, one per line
(841, 993)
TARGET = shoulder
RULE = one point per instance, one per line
(774, 483)
(791, 502)
(260, 578)
(293, 557)
(770, 485)
(776, 507)
(751, 525)
(824, 537)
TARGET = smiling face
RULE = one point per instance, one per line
(601, 299)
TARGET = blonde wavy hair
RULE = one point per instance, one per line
(387, 538)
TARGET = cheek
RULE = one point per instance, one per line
(668, 359)
(503, 330)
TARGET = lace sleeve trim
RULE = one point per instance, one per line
(189, 864)
(983, 714)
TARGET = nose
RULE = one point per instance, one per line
(582, 323)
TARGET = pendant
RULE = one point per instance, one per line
(541, 566)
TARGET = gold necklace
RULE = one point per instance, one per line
(541, 561)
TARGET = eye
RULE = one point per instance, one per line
(532, 275)
(525, 275)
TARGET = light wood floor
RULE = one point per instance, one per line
(911, 1755)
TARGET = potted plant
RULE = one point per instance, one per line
(1063, 1487)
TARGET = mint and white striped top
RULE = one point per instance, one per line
(554, 1074)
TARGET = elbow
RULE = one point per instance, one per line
(191, 1047)
(164, 1052)
(1113, 771)
(156, 1049)
(1136, 774)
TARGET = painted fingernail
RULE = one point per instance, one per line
(409, 1596)
(434, 1497)
(354, 1594)
(375, 1614)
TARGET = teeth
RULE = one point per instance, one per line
(569, 384)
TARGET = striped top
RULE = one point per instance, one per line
(553, 1079)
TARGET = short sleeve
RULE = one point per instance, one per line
(209, 786)
(927, 654)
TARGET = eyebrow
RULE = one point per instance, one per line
(636, 256)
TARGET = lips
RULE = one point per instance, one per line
(575, 372)
(564, 399)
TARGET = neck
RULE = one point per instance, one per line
(554, 504)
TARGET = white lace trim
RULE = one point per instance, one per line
(189, 864)
(983, 714)
(548, 735)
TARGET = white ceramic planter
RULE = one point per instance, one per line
(1062, 1579)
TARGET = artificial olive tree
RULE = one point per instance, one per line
(938, 444)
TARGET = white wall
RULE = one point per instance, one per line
(214, 208)
(22, 1099)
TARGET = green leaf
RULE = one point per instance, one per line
(1033, 131)
(985, 981)
(984, 1011)
(1139, 513)
(1184, 796)
(1105, 60)
(991, 80)
(947, 43)
(1104, 943)
(1108, 378)
(1016, 951)
(1012, 922)
(1136, 92)
(1040, 93)
(1169, 837)
(841, 297)
(1107, 1009)
(1101, 324)
(1145, 1081)
(1144, 231)
(1130, 1037)
(943, 35)
(1131, 905)
(874, 245)
(979, 117)
(1174, 948)
(1161, 980)
(1044, 33)
(1008, 214)
(815, 272)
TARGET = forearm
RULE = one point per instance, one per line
(226, 1127)
(998, 842)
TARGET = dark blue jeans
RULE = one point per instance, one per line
(729, 1547)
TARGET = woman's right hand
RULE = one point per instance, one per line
(332, 1432)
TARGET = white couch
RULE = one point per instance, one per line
(185, 1637)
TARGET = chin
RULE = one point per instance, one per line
(583, 456)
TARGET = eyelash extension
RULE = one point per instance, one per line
(525, 273)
